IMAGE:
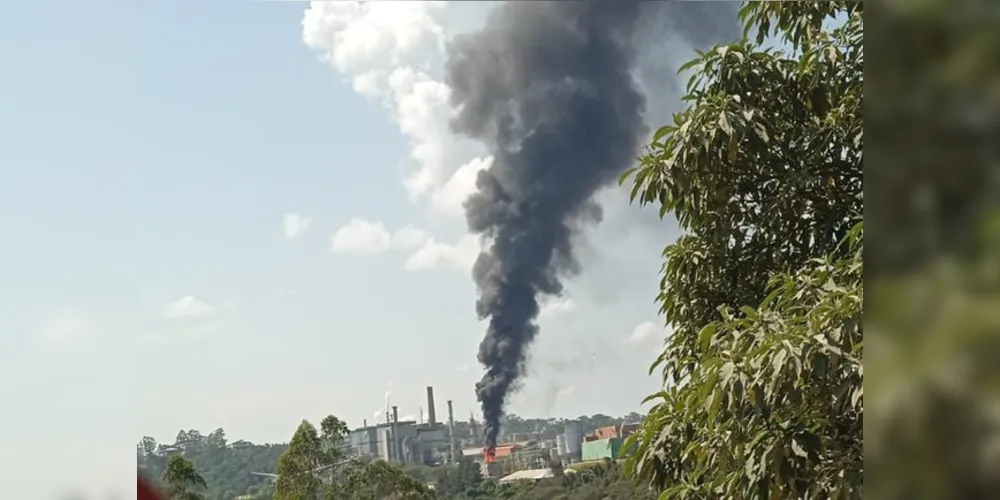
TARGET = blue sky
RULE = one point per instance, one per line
(150, 153)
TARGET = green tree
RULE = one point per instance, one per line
(380, 480)
(182, 479)
(225, 467)
(334, 436)
(296, 468)
(763, 171)
(458, 479)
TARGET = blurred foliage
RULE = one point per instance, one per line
(225, 466)
(182, 480)
(933, 319)
(763, 374)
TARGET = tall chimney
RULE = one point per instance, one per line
(394, 454)
(431, 416)
(451, 432)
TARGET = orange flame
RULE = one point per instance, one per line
(489, 454)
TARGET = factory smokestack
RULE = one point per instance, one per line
(451, 432)
(431, 417)
(548, 88)
(395, 454)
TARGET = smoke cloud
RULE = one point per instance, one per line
(548, 87)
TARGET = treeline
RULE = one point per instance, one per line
(226, 466)
(591, 481)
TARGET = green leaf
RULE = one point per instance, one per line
(659, 395)
(726, 372)
(625, 175)
(761, 133)
(750, 312)
(713, 404)
(705, 336)
(724, 123)
(750, 468)
(661, 132)
(778, 363)
(688, 65)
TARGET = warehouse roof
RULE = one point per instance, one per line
(529, 475)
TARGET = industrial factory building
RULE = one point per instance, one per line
(433, 442)
(605, 443)
(406, 442)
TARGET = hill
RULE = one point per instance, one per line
(227, 466)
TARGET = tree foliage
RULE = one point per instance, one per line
(296, 477)
(454, 481)
(226, 466)
(763, 171)
(182, 480)
(933, 320)
(315, 467)
(380, 480)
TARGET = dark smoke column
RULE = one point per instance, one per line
(548, 88)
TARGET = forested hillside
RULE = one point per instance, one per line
(227, 466)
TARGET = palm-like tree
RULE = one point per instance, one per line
(182, 479)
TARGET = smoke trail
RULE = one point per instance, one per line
(548, 88)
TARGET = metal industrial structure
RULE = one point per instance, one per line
(404, 442)
(574, 439)
(606, 443)
(434, 442)
(452, 443)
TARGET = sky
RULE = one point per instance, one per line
(237, 214)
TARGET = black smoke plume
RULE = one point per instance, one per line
(549, 88)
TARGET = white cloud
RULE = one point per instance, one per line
(462, 368)
(648, 331)
(358, 38)
(557, 307)
(193, 332)
(452, 195)
(437, 255)
(389, 51)
(566, 391)
(296, 225)
(66, 327)
(361, 236)
(187, 307)
(409, 237)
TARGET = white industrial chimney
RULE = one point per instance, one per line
(431, 416)
(451, 432)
